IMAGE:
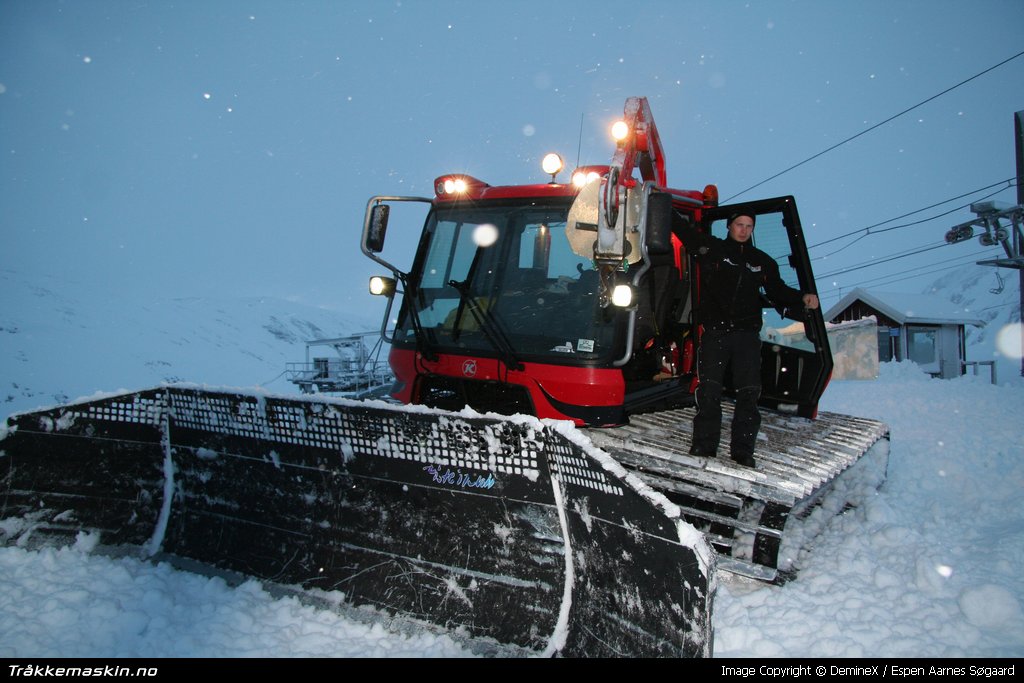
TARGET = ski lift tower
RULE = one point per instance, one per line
(990, 217)
(354, 370)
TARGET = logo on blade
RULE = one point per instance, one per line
(469, 368)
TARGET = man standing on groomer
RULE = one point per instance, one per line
(732, 274)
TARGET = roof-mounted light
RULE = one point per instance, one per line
(620, 131)
(457, 184)
(585, 175)
(580, 178)
(454, 186)
(710, 195)
(552, 164)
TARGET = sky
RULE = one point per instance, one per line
(179, 148)
(927, 566)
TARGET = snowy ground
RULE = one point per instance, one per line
(931, 566)
(928, 568)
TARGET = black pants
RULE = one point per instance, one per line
(740, 350)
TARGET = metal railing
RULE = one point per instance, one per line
(355, 370)
(975, 363)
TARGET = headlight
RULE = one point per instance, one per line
(382, 286)
(622, 296)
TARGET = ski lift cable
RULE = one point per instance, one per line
(263, 384)
(877, 125)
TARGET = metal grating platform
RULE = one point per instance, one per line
(746, 512)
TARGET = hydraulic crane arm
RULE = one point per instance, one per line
(622, 205)
(640, 147)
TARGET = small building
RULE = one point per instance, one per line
(917, 327)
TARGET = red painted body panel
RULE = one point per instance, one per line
(510, 192)
(477, 190)
(579, 386)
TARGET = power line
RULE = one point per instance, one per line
(963, 258)
(877, 125)
(904, 225)
(883, 283)
(1009, 182)
(890, 279)
(875, 262)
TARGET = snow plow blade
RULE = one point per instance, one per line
(506, 531)
(761, 521)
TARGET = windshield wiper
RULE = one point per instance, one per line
(412, 294)
(485, 321)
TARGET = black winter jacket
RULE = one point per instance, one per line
(732, 275)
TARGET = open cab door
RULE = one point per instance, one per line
(796, 361)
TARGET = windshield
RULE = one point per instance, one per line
(505, 276)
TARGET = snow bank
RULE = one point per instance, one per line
(927, 568)
(66, 603)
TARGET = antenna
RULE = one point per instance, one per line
(579, 146)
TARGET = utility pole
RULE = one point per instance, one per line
(990, 217)
(1018, 120)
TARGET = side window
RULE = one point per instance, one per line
(449, 257)
(451, 253)
(720, 228)
(770, 237)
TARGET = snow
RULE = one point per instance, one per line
(981, 291)
(930, 566)
(908, 308)
(927, 567)
(558, 638)
(68, 603)
(854, 347)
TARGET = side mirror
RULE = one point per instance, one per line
(377, 227)
(659, 224)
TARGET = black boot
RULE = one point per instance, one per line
(744, 459)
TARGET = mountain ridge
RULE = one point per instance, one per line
(60, 340)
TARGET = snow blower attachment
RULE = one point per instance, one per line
(507, 531)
